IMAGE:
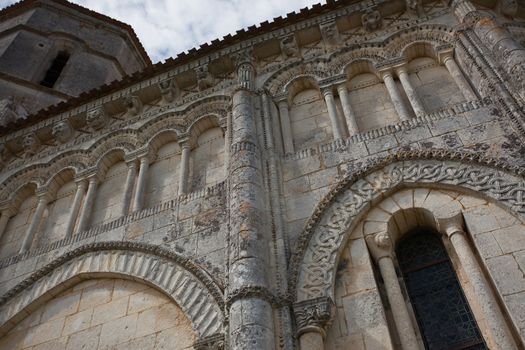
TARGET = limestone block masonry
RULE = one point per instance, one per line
(255, 192)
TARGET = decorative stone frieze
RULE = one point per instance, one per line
(30, 145)
(329, 33)
(313, 315)
(205, 79)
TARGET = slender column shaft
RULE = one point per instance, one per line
(138, 201)
(311, 341)
(36, 220)
(77, 202)
(128, 190)
(89, 199)
(347, 110)
(332, 113)
(459, 78)
(399, 105)
(286, 128)
(5, 215)
(184, 168)
(411, 93)
(483, 292)
(227, 141)
(404, 326)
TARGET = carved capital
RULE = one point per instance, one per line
(372, 20)
(30, 144)
(329, 33)
(452, 225)
(379, 245)
(213, 342)
(313, 315)
(62, 131)
(169, 90)
(289, 46)
(133, 104)
(96, 118)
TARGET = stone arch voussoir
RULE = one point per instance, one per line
(194, 290)
(314, 263)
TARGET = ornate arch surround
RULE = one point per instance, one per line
(186, 284)
(314, 263)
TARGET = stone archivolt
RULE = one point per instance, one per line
(180, 279)
(313, 265)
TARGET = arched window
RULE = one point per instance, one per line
(441, 309)
(56, 68)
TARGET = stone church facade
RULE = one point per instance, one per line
(350, 176)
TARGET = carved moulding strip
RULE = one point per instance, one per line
(213, 342)
(257, 292)
(184, 282)
(312, 267)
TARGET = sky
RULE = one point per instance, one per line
(169, 27)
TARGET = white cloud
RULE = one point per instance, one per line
(168, 27)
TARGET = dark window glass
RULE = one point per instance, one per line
(444, 316)
(55, 69)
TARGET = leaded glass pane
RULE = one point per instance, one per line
(441, 309)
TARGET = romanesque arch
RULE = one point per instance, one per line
(314, 263)
(194, 291)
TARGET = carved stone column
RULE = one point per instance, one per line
(397, 101)
(89, 199)
(77, 202)
(138, 201)
(313, 317)
(251, 315)
(380, 247)
(411, 93)
(6, 212)
(332, 113)
(509, 53)
(347, 109)
(36, 220)
(453, 229)
(448, 60)
(128, 189)
(184, 167)
(286, 127)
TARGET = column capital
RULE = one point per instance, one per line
(8, 208)
(184, 143)
(327, 90)
(385, 73)
(401, 69)
(341, 85)
(380, 245)
(81, 182)
(43, 194)
(444, 56)
(451, 225)
(313, 315)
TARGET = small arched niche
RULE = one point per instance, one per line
(24, 202)
(104, 314)
(207, 156)
(432, 81)
(54, 221)
(309, 119)
(109, 199)
(368, 97)
(163, 173)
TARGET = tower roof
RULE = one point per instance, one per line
(26, 5)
